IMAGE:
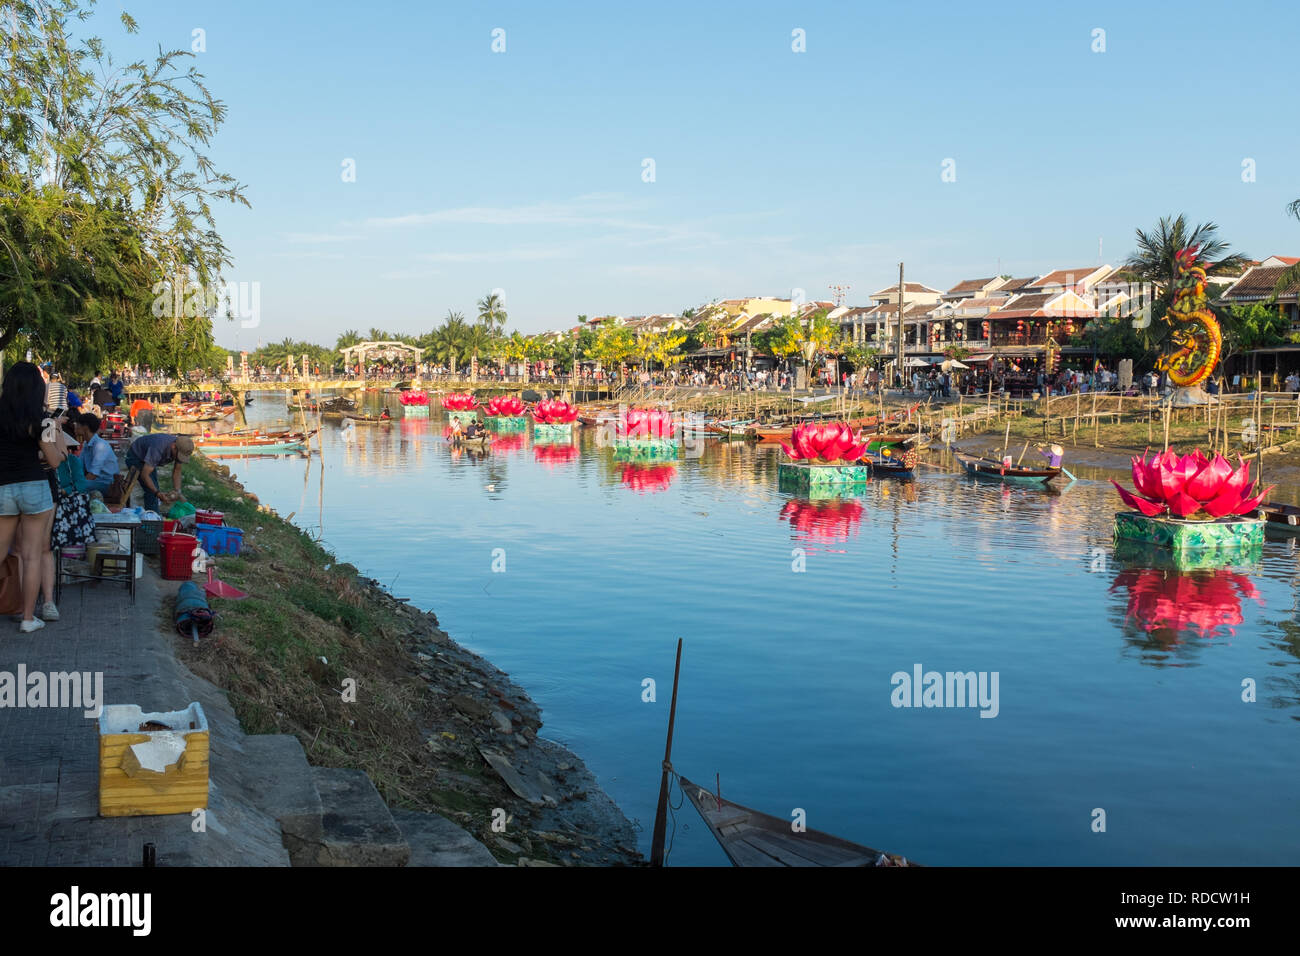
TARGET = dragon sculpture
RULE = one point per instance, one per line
(1196, 336)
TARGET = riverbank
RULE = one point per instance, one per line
(365, 681)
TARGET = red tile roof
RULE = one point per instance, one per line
(1064, 277)
(1257, 285)
(969, 286)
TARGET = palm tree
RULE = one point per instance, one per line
(1291, 275)
(492, 313)
(1154, 259)
(347, 339)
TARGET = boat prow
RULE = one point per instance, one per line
(752, 838)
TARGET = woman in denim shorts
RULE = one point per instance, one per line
(26, 501)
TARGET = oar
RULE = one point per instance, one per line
(1065, 472)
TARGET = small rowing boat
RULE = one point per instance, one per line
(254, 443)
(751, 838)
(988, 468)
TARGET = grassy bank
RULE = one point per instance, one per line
(423, 706)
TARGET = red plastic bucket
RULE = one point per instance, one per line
(203, 516)
(177, 554)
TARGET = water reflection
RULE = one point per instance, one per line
(828, 520)
(647, 479)
(1169, 605)
(552, 455)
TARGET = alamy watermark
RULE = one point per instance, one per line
(923, 688)
(230, 300)
(77, 689)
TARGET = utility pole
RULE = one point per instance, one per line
(901, 372)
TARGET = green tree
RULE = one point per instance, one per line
(1291, 276)
(107, 197)
(492, 313)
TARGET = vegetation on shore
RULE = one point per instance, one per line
(311, 625)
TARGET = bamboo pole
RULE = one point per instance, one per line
(661, 811)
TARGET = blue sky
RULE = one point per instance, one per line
(523, 170)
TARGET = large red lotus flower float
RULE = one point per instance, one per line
(554, 412)
(824, 444)
(414, 398)
(506, 405)
(1200, 601)
(834, 520)
(554, 454)
(459, 402)
(648, 478)
(646, 423)
(1191, 486)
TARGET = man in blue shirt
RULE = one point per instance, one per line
(97, 456)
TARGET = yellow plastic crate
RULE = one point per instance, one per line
(160, 769)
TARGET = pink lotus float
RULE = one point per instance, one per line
(646, 424)
(459, 402)
(554, 412)
(1191, 486)
(504, 405)
(414, 398)
(826, 444)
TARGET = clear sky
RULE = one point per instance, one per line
(524, 170)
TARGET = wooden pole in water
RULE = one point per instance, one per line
(661, 812)
(1006, 440)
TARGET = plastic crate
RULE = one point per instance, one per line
(146, 539)
(220, 540)
(177, 555)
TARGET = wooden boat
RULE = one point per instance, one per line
(369, 419)
(988, 468)
(481, 443)
(784, 431)
(1280, 518)
(252, 443)
(751, 838)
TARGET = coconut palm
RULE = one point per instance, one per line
(1153, 261)
(1291, 275)
(492, 313)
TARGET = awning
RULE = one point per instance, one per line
(982, 357)
(953, 363)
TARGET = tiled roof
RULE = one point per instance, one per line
(1014, 285)
(907, 287)
(1065, 277)
(1258, 285)
(969, 286)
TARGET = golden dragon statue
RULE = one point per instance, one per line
(1196, 336)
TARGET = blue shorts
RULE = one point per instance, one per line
(25, 498)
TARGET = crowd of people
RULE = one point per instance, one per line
(53, 461)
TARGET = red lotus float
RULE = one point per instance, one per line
(1195, 601)
(646, 423)
(832, 520)
(459, 402)
(1191, 486)
(554, 412)
(825, 444)
(504, 405)
(554, 454)
(414, 398)
(647, 478)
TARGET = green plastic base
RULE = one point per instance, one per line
(415, 411)
(464, 417)
(645, 450)
(507, 423)
(1228, 536)
(801, 477)
(553, 432)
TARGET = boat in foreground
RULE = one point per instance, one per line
(988, 468)
(751, 838)
(252, 444)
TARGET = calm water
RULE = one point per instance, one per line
(1120, 685)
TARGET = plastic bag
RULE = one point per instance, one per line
(180, 510)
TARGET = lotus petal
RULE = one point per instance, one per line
(1170, 480)
(1143, 478)
(1183, 505)
(1148, 508)
(1205, 484)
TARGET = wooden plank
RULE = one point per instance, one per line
(777, 847)
(803, 846)
(742, 854)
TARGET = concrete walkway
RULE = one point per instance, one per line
(264, 807)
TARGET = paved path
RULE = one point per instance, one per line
(49, 756)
